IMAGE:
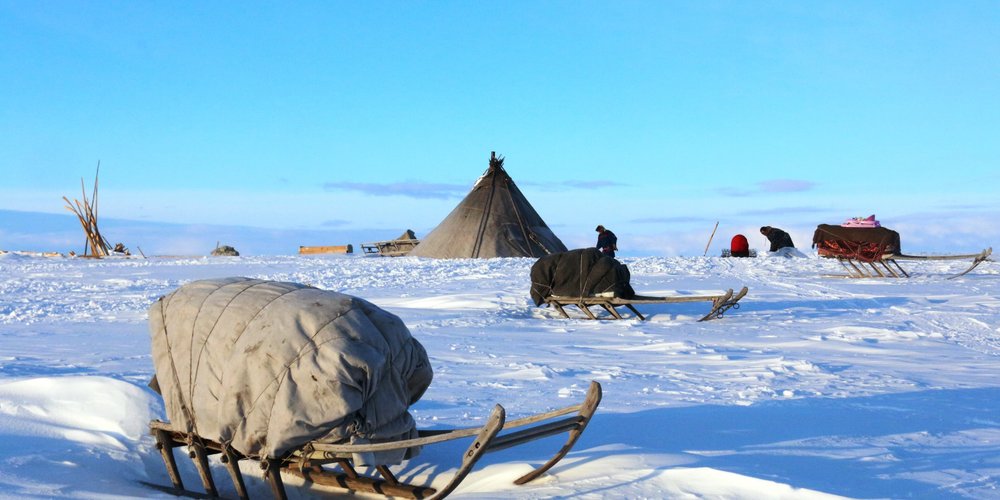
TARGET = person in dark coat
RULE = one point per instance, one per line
(777, 237)
(607, 242)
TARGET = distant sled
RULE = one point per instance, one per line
(874, 252)
(392, 248)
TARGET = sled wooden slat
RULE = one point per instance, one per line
(387, 475)
(165, 444)
(232, 461)
(272, 472)
(200, 457)
(526, 435)
(307, 462)
(720, 303)
(318, 475)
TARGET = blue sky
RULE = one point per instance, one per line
(656, 119)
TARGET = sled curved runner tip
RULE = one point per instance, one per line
(307, 462)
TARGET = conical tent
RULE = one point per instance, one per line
(494, 220)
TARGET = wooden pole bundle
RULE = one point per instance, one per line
(96, 245)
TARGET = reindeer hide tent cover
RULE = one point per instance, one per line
(269, 366)
(493, 220)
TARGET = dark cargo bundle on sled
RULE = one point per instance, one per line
(582, 273)
(586, 278)
(300, 378)
(874, 251)
(865, 244)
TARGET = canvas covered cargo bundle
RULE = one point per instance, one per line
(866, 244)
(579, 273)
(267, 366)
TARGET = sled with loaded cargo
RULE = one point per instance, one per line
(313, 384)
(720, 303)
(586, 278)
(874, 252)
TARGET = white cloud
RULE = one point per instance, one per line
(769, 186)
(785, 185)
(410, 189)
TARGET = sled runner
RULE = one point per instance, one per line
(874, 252)
(720, 303)
(335, 465)
(887, 266)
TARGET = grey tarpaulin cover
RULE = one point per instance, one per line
(268, 366)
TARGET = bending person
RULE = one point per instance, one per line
(779, 239)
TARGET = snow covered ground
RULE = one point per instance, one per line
(816, 387)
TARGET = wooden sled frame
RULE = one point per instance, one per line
(720, 303)
(307, 462)
(888, 266)
(389, 248)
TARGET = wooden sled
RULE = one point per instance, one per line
(392, 248)
(720, 303)
(311, 460)
(887, 266)
(389, 248)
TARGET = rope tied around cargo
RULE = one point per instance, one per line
(196, 362)
(862, 251)
(192, 425)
